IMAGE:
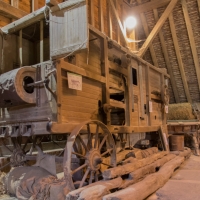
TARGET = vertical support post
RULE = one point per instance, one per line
(141, 91)
(20, 48)
(130, 95)
(132, 35)
(105, 72)
(91, 12)
(164, 118)
(14, 3)
(59, 92)
(101, 20)
(34, 5)
(41, 41)
(148, 92)
(163, 129)
(109, 20)
(118, 29)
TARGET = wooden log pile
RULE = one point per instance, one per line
(135, 179)
(135, 153)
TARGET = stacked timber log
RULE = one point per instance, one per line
(135, 153)
(134, 179)
(186, 153)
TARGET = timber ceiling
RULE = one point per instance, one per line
(175, 47)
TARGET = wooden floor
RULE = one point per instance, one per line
(184, 184)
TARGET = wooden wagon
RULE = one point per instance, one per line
(65, 79)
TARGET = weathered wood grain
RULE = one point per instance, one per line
(107, 185)
(132, 166)
(150, 184)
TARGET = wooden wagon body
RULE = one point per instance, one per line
(80, 74)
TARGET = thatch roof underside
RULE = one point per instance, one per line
(184, 46)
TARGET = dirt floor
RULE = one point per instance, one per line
(183, 185)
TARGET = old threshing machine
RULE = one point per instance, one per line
(66, 85)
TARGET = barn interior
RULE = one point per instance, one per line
(99, 99)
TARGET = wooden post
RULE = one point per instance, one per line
(101, 20)
(119, 21)
(59, 93)
(198, 3)
(148, 92)
(141, 92)
(91, 12)
(20, 48)
(14, 3)
(118, 29)
(162, 94)
(105, 72)
(109, 20)
(157, 27)
(34, 5)
(41, 41)
(130, 93)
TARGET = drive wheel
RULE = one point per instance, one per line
(88, 145)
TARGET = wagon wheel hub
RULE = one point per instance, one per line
(94, 159)
(90, 142)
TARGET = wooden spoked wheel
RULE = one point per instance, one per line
(87, 147)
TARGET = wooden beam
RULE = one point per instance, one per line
(20, 49)
(147, 6)
(59, 91)
(118, 29)
(148, 92)
(41, 41)
(179, 59)
(110, 28)
(192, 41)
(35, 5)
(167, 60)
(10, 11)
(91, 4)
(142, 93)
(119, 21)
(146, 30)
(101, 20)
(157, 27)
(198, 3)
(105, 73)
(14, 3)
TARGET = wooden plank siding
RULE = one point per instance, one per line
(78, 106)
